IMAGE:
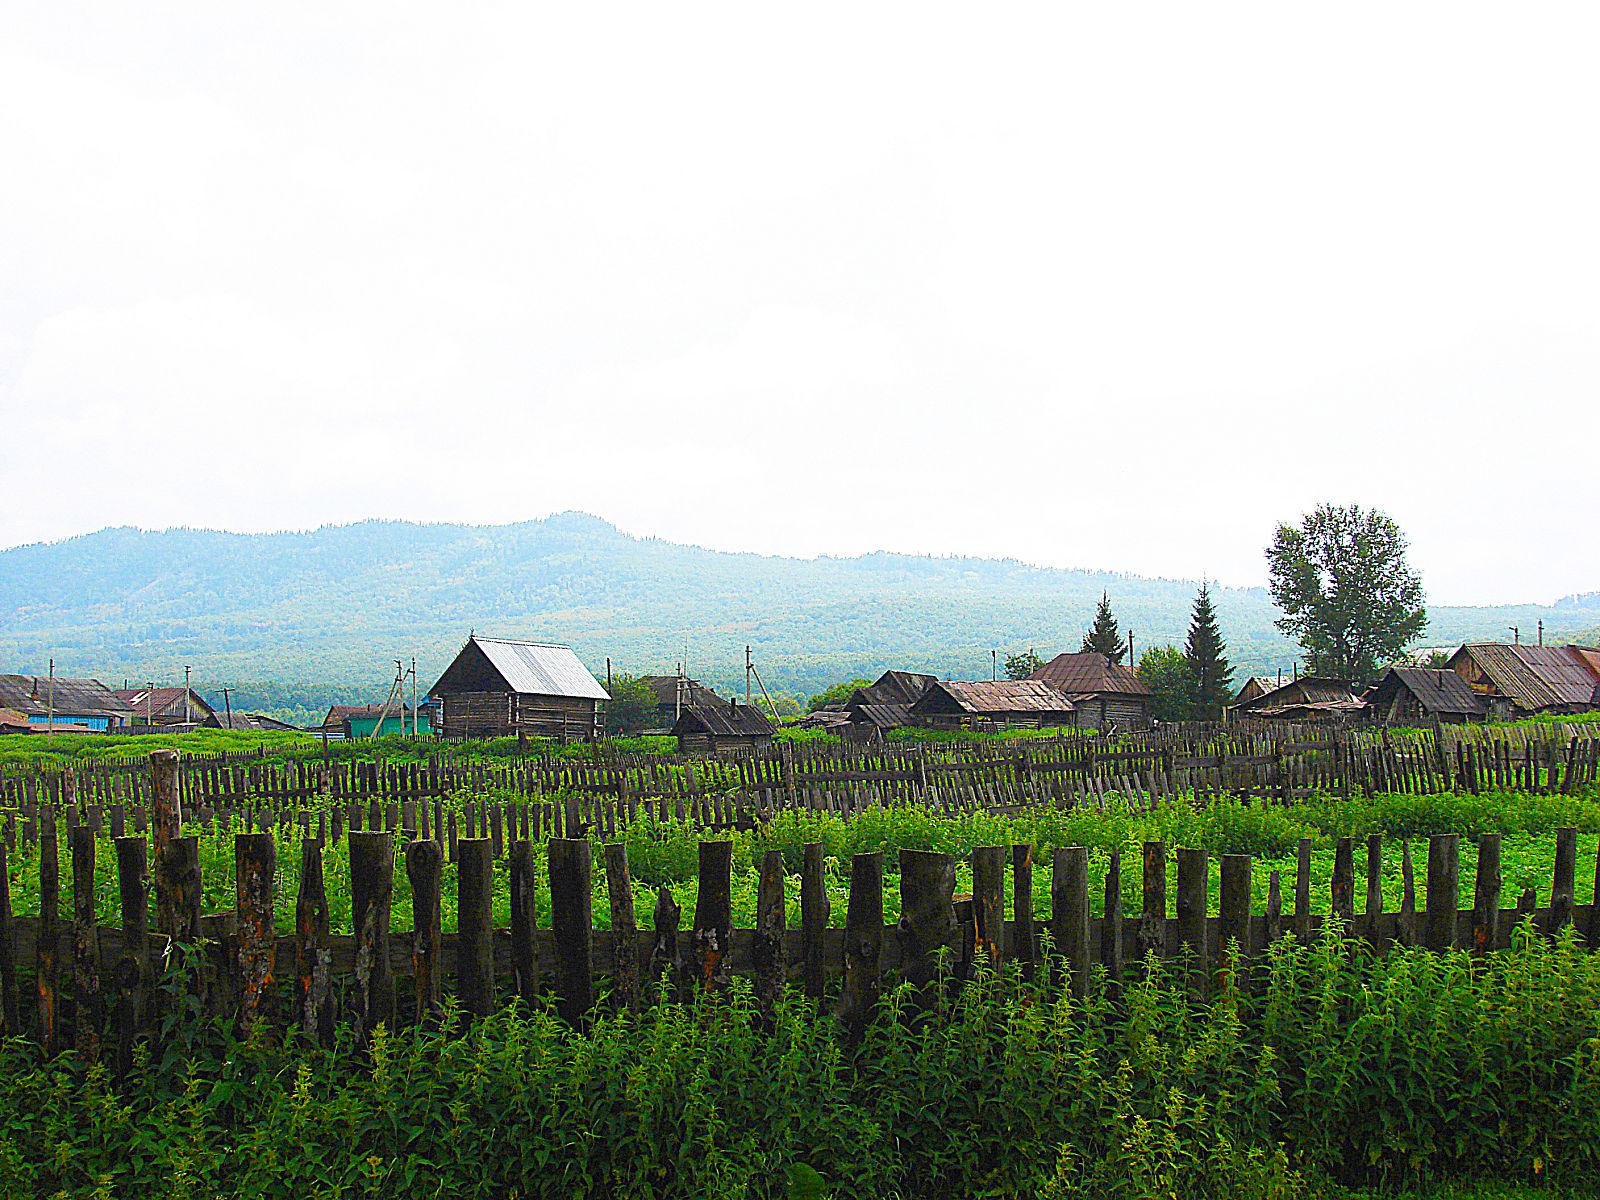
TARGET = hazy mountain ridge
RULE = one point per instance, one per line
(325, 611)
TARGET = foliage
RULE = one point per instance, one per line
(1022, 665)
(1207, 655)
(632, 706)
(1171, 680)
(1348, 595)
(1329, 1068)
(837, 694)
(1104, 637)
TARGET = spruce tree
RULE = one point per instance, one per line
(1206, 653)
(1104, 637)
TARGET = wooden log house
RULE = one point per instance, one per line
(503, 687)
(1106, 694)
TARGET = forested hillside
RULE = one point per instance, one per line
(300, 619)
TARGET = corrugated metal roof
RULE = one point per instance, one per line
(158, 701)
(541, 668)
(78, 697)
(1533, 677)
(1003, 696)
(1091, 673)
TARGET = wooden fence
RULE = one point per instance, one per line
(236, 960)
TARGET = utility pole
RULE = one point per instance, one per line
(994, 665)
(50, 712)
(1132, 661)
(186, 695)
(149, 703)
(1541, 631)
(227, 704)
(1516, 635)
(414, 713)
(749, 666)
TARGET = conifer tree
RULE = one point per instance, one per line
(1206, 653)
(1104, 637)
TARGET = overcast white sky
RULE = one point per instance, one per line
(838, 279)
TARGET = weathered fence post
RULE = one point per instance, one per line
(1025, 944)
(525, 924)
(1374, 903)
(1302, 892)
(927, 925)
(1444, 896)
(45, 947)
(1069, 914)
(313, 961)
(424, 864)
(474, 920)
(1192, 871)
(89, 1010)
(624, 927)
(166, 817)
(1563, 887)
(1111, 927)
(1407, 923)
(664, 948)
(572, 924)
(1153, 921)
(713, 916)
(814, 912)
(989, 902)
(1233, 925)
(1486, 895)
(255, 869)
(771, 924)
(863, 942)
(10, 1009)
(371, 892)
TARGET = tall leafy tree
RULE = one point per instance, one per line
(632, 706)
(1207, 656)
(1022, 666)
(1347, 593)
(1165, 669)
(1104, 637)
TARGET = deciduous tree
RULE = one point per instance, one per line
(1165, 670)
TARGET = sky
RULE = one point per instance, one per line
(1101, 286)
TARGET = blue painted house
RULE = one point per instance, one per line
(66, 704)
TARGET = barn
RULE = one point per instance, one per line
(503, 687)
(1518, 680)
(1416, 695)
(713, 725)
(1107, 694)
(997, 704)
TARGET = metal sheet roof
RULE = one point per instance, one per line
(1003, 696)
(1091, 673)
(541, 668)
(1534, 677)
(75, 697)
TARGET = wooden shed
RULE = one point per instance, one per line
(721, 725)
(893, 687)
(997, 704)
(502, 687)
(1417, 695)
(674, 693)
(168, 706)
(1107, 694)
(1518, 680)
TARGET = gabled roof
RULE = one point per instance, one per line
(1533, 677)
(1262, 684)
(723, 719)
(32, 694)
(257, 723)
(996, 696)
(1091, 674)
(1308, 689)
(158, 702)
(884, 716)
(894, 687)
(1437, 690)
(665, 688)
(531, 668)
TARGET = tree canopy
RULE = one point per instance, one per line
(1023, 665)
(1347, 593)
(1166, 671)
(837, 694)
(1207, 655)
(1104, 637)
(632, 706)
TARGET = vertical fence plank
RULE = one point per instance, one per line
(664, 949)
(45, 948)
(863, 941)
(624, 926)
(1444, 877)
(1069, 914)
(713, 916)
(1153, 921)
(1486, 895)
(1025, 941)
(1408, 897)
(10, 1008)
(989, 901)
(166, 815)
(814, 906)
(133, 968)
(1233, 926)
(771, 924)
(1374, 899)
(424, 866)
(1563, 886)
(474, 925)
(313, 960)
(255, 871)
(1111, 927)
(1302, 892)
(371, 892)
(1274, 921)
(927, 925)
(572, 924)
(89, 1007)
(1192, 871)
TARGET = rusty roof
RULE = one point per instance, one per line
(72, 697)
(1533, 677)
(158, 701)
(723, 719)
(1091, 674)
(1002, 696)
(1437, 690)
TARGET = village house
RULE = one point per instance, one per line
(1315, 698)
(1107, 694)
(894, 688)
(1256, 687)
(168, 707)
(348, 722)
(716, 724)
(1517, 680)
(997, 704)
(503, 687)
(674, 693)
(66, 705)
(1419, 695)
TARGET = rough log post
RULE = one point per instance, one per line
(371, 891)
(1563, 887)
(474, 923)
(1444, 877)
(255, 869)
(424, 864)
(713, 916)
(814, 913)
(1192, 871)
(1486, 895)
(1343, 897)
(572, 922)
(989, 902)
(1069, 914)
(133, 968)
(664, 968)
(1233, 927)
(1025, 943)
(1408, 898)
(87, 999)
(1274, 923)
(1153, 921)
(10, 1010)
(166, 817)
(312, 957)
(525, 921)
(1302, 893)
(1374, 904)
(771, 924)
(624, 927)
(45, 947)
(1111, 928)
(927, 925)
(863, 942)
